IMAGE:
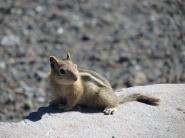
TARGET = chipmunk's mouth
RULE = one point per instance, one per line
(75, 78)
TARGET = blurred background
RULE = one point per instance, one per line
(130, 42)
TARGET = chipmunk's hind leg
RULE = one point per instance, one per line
(55, 102)
(109, 101)
(110, 110)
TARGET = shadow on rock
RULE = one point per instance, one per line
(36, 116)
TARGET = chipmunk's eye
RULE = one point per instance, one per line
(62, 71)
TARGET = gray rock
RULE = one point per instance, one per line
(131, 120)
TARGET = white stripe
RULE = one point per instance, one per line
(93, 78)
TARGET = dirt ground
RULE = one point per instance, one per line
(129, 42)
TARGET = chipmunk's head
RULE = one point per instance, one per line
(63, 71)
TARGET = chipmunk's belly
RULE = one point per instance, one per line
(60, 91)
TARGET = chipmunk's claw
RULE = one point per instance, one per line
(60, 106)
(53, 103)
(63, 107)
(109, 111)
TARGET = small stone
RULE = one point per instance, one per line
(28, 91)
(140, 78)
(137, 67)
(2, 65)
(86, 37)
(10, 40)
(106, 6)
(19, 91)
(41, 99)
(110, 39)
(60, 30)
(39, 8)
(2, 117)
(39, 75)
(30, 54)
(28, 105)
(76, 21)
(10, 98)
(124, 58)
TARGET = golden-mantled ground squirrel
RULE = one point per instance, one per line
(86, 87)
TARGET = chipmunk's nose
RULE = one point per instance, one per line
(75, 78)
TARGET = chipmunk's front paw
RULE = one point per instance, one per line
(110, 110)
(53, 103)
(63, 107)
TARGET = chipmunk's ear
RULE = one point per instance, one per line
(68, 56)
(53, 61)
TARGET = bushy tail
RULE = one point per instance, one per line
(140, 98)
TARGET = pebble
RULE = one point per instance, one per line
(28, 105)
(2, 65)
(86, 37)
(60, 30)
(10, 40)
(140, 78)
(41, 99)
(40, 8)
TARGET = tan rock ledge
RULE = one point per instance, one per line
(133, 119)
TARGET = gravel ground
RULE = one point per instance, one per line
(129, 42)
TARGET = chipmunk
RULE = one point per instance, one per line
(86, 87)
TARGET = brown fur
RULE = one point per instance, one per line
(86, 87)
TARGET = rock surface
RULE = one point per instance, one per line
(131, 120)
